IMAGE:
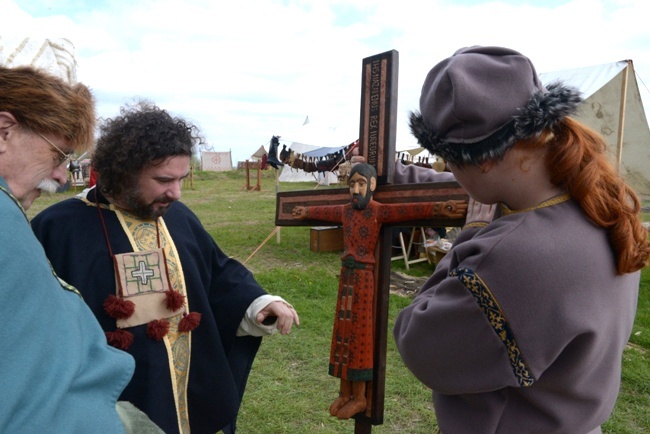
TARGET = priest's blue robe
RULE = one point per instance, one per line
(218, 287)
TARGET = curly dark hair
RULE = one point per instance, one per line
(141, 136)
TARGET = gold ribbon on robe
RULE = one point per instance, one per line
(143, 236)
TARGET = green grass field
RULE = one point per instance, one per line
(289, 390)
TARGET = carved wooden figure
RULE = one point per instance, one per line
(377, 147)
(353, 335)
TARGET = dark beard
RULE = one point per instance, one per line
(362, 201)
(135, 204)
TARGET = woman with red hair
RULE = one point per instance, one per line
(522, 327)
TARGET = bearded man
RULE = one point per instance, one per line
(157, 282)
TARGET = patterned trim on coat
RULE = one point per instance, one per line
(549, 202)
(492, 311)
(475, 225)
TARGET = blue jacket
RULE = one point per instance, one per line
(58, 373)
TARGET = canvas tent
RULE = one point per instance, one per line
(415, 153)
(315, 140)
(289, 174)
(614, 108)
(319, 135)
(216, 161)
(259, 153)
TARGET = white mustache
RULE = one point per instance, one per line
(48, 186)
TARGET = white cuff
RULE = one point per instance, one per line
(249, 325)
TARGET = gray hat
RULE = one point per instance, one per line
(477, 103)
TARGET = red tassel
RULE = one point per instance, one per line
(174, 300)
(119, 339)
(118, 308)
(189, 322)
(157, 329)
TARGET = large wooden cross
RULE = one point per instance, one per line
(377, 133)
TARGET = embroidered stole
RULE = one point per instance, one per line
(144, 237)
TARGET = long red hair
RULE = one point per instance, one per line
(576, 161)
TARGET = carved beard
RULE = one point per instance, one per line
(361, 201)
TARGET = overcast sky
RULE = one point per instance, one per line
(244, 70)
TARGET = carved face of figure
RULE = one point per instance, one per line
(361, 190)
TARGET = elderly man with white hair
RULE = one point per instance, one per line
(58, 372)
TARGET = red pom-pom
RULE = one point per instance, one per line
(119, 339)
(189, 322)
(174, 300)
(118, 308)
(157, 329)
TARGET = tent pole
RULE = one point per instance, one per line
(621, 118)
(277, 190)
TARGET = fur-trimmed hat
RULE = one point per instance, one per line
(477, 103)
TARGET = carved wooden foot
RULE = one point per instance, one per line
(352, 407)
(345, 393)
(338, 404)
(357, 403)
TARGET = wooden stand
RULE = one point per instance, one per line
(406, 248)
(249, 166)
(435, 254)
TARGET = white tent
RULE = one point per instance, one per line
(415, 154)
(216, 161)
(613, 107)
(259, 154)
(311, 137)
(289, 174)
(319, 135)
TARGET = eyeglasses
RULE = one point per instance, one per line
(64, 157)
